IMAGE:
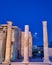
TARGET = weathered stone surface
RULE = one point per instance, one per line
(30, 63)
(26, 42)
(29, 45)
(45, 40)
(8, 43)
(2, 44)
(22, 44)
(14, 38)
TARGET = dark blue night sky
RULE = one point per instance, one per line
(31, 12)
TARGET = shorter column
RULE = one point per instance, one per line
(26, 42)
(45, 40)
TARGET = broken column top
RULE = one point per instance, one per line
(26, 27)
(9, 22)
(44, 22)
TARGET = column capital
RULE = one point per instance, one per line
(26, 27)
(9, 22)
(44, 22)
(26, 31)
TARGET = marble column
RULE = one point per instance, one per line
(29, 46)
(45, 40)
(8, 43)
(26, 41)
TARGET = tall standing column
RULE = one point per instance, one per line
(45, 40)
(26, 41)
(8, 43)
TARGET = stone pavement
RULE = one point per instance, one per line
(30, 63)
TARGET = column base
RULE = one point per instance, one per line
(25, 62)
(47, 61)
(6, 62)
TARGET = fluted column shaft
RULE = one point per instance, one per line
(8, 42)
(45, 40)
(26, 41)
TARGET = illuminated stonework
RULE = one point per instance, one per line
(30, 44)
(15, 43)
(11, 43)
